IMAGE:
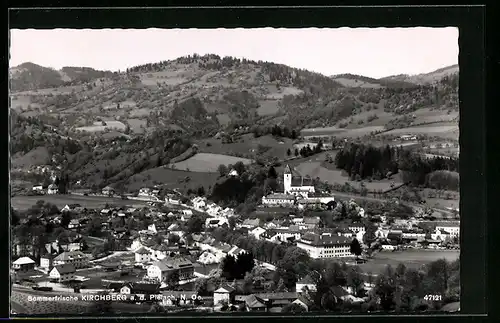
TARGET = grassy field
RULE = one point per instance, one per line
(25, 202)
(410, 258)
(267, 107)
(335, 131)
(171, 178)
(357, 83)
(135, 125)
(207, 162)
(432, 129)
(98, 126)
(248, 146)
(36, 157)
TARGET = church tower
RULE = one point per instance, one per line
(287, 179)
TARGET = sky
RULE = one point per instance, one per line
(372, 52)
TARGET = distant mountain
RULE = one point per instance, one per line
(30, 76)
(426, 78)
(359, 81)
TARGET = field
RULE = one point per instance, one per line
(36, 157)
(267, 107)
(25, 202)
(356, 83)
(410, 258)
(135, 125)
(208, 163)
(98, 126)
(432, 130)
(275, 95)
(171, 178)
(248, 146)
(335, 131)
(313, 168)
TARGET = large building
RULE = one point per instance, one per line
(325, 245)
(296, 184)
(277, 199)
(76, 258)
(160, 270)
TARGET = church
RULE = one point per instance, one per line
(296, 184)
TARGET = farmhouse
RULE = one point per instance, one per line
(52, 189)
(76, 258)
(159, 270)
(224, 294)
(23, 264)
(325, 245)
(142, 255)
(296, 184)
(108, 191)
(63, 273)
(452, 227)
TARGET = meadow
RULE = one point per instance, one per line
(25, 202)
(410, 258)
(207, 162)
(343, 132)
(98, 126)
(171, 178)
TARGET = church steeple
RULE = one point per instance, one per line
(287, 169)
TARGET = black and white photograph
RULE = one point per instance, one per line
(234, 171)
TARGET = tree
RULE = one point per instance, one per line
(356, 247)
(172, 279)
(288, 152)
(194, 224)
(201, 286)
(222, 169)
(239, 167)
(228, 266)
(173, 238)
(65, 219)
(293, 308)
(232, 222)
(354, 279)
(296, 152)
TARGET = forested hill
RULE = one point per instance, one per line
(30, 76)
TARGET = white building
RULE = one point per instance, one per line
(145, 192)
(257, 232)
(210, 257)
(326, 245)
(37, 188)
(216, 222)
(24, 264)
(452, 227)
(76, 258)
(306, 282)
(296, 184)
(223, 294)
(199, 202)
(357, 228)
(63, 273)
(52, 189)
(142, 255)
(278, 199)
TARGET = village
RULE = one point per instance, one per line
(173, 253)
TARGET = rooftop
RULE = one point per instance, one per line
(324, 239)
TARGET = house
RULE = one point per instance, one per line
(233, 173)
(140, 289)
(255, 304)
(250, 223)
(23, 264)
(225, 293)
(199, 203)
(145, 192)
(108, 191)
(73, 224)
(76, 258)
(106, 212)
(306, 282)
(208, 257)
(278, 199)
(63, 273)
(304, 302)
(452, 227)
(311, 222)
(163, 250)
(357, 227)
(325, 245)
(159, 270)
(257, 232)
(52, 189)
(170, 199)
(46, 261)
(388, 247)
(215, 223)
(296, 184)
(142, 255)
(71, 207)
(37, 188)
